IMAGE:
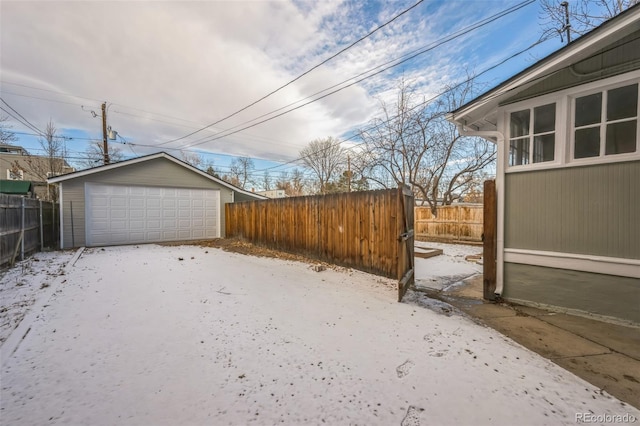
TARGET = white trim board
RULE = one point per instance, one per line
(576, 262)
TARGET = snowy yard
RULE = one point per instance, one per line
(150, 335)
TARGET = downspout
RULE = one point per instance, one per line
(499, 137)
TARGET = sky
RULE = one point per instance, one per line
(169, 68)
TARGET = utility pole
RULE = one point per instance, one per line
(105, 142)
(567, 25)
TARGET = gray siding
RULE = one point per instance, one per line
(73, 207)
(607, 295)
(616, 59)
(240, 197)
(591, 210)
(156, 172)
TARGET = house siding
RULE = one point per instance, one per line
(156, 172)
(73, 214)
(599, 294)
(590, 210)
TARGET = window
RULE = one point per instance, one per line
(532, 135)
(15, 174)
(606, 123)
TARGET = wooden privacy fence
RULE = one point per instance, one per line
(371, 231)
(26, 225)
(459, 222)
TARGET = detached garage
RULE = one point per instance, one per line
(156, 198)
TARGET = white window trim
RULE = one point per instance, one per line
(559, 133)
(20, 174)
(564, 101)
(575, 262)
(602, 157)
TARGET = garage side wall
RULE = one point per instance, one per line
(157, 172)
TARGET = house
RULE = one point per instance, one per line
(273, 193)
(18, 165)
(568, 174)
(155, 198)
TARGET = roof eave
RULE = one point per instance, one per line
(475, 110)
(107, 167)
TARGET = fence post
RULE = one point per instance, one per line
(22, 226)
(41, 228)
(55, 226)
(489, 236)
(73, 237)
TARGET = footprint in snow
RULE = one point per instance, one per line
(404, 369)
(412, 418)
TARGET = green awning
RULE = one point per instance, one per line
(21, 187)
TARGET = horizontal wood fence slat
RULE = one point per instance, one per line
(27, 225)
(460, 222)
(355, 229)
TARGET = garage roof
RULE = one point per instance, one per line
(133, 161)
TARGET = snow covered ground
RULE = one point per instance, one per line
(21, 285)
(449, 268)
(150, 335)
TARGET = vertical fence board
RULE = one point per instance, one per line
(39, 229)
(459, 222)
(358, 229)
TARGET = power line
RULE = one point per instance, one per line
(298, 77)
(425, 102)
(178, 149)
(38, 97)
(49, 90)
(25, 122)
(543, 76)
(69, 138)
(436, 44)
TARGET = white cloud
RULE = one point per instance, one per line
(169, 68)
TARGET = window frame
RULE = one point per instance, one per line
(602, 156)
(12, 173)
(531, 105)
(565, 119)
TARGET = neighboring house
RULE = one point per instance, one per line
(273, 193)
(155, 198)
(568, 174)
(17, 164)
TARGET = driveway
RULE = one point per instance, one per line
(150, 335)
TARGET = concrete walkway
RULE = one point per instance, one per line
(604, 354)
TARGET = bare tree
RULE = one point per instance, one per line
(240, 172)
(266, 181)
(93, 156)
(6, 135)
(292, 184)
(326, 159)
(198, 161)
(413, 144)
(192, 158)
(211, 171)
(584, 15)
(52, 163)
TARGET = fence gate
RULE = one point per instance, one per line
(406, 269)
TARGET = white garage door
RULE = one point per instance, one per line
(119, 214)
